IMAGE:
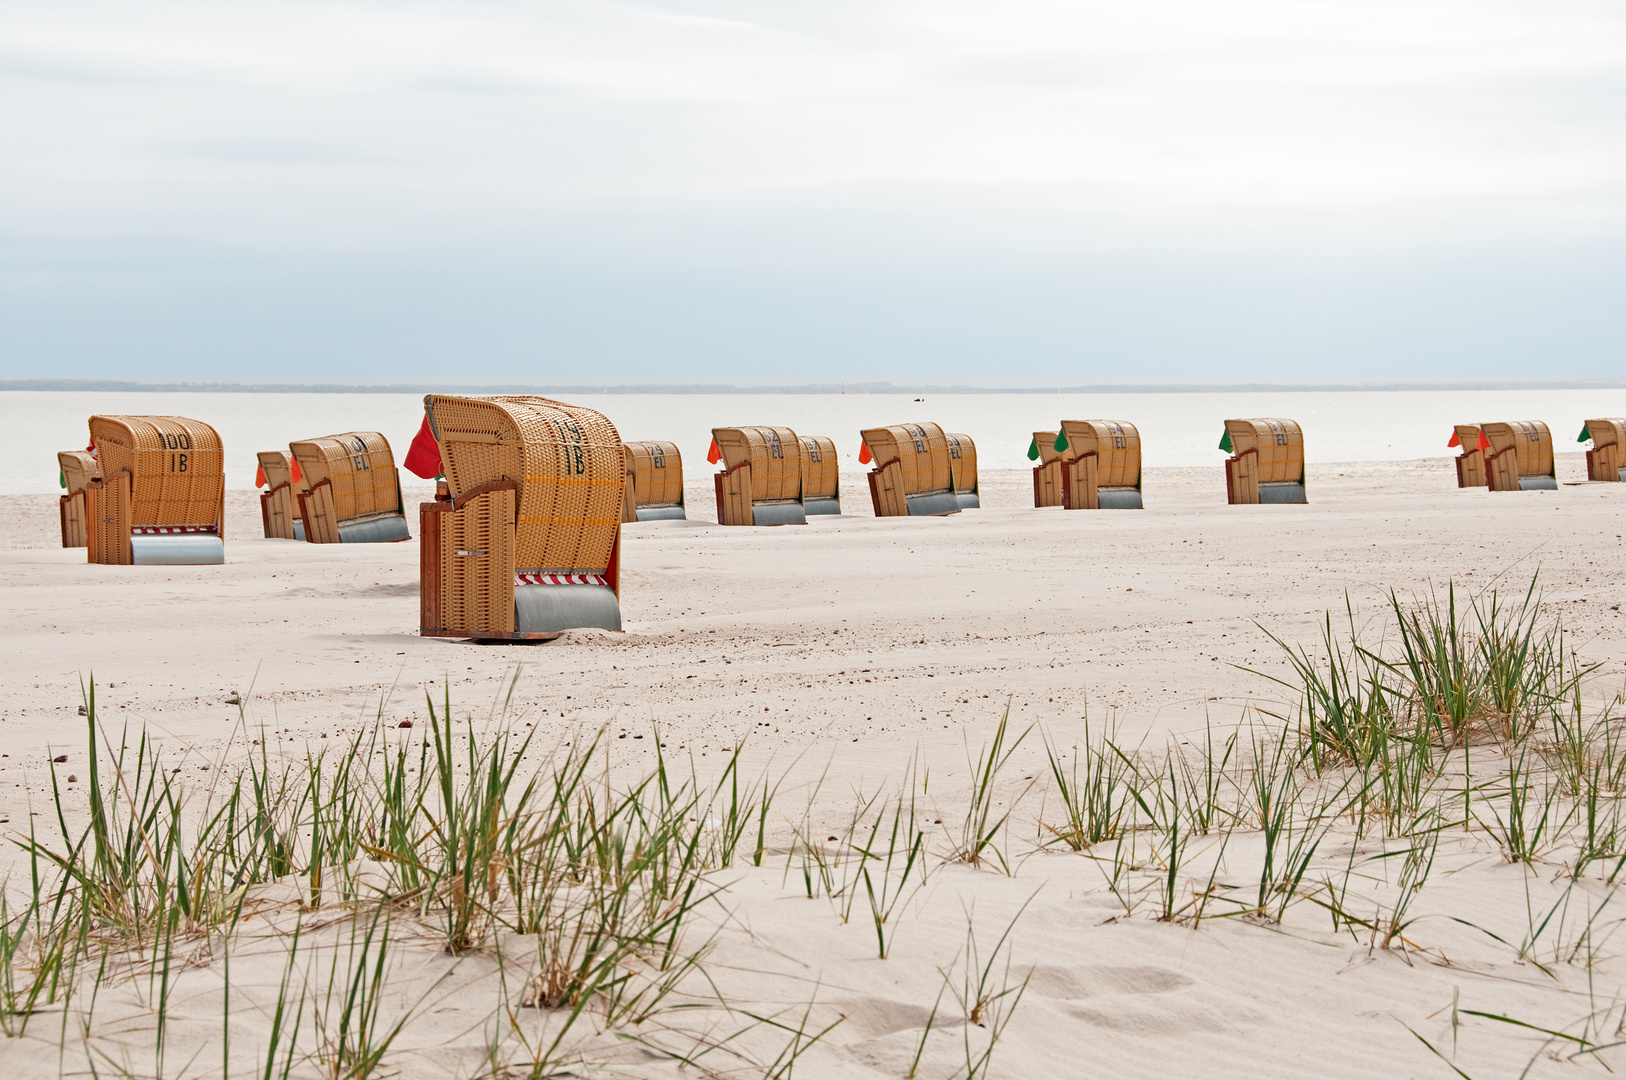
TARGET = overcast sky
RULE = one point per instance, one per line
(825, 188)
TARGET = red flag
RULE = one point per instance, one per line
(1454, 440)
(1484, 443)
(259, 476)
(863, 453)
(423, 459)
(714, 455)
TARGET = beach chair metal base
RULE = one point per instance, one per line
(661, 512)
(1119, 499)
(1282, 493)
(383, 529)
(789, 512)
(1538, 483)
(816, 505)
(968, 500)
(187, 549)
(932, 503)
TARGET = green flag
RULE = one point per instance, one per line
(1033, 449)
(1061, 441)
(62, 481)
(1585, 434)
(1225, 441)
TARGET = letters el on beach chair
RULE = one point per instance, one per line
(1471, 462)
(761, 481)
(913, 474)
(523, 539)
(160, 500)
(821, 475)
(1607, 459)
(1049, 478)
(654, 482)
(279, 506)
(1519, 457)
(1101, 465)
(963, 470)
(354, 495)
(78, 469)
(1266, 463)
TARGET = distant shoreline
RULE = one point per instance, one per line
(129, 386)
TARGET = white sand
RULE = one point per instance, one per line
(850, 646)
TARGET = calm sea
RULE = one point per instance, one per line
(1176, 428)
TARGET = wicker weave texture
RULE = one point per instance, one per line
(1046, 442)
(477, 565)
(775, 455)
(657, 472)
(176, 467)
(962, 462)
(922, 454)
(360, 468)
(1278, 446)
(1530, 441)
(107, 520)
(1608, 451)
(1467, 435)
(1048, 481)
(1471, 462)
(278, 468)
(279, 505)
(79, 467)
(821, 476)
(565, 459)
(1115, 444)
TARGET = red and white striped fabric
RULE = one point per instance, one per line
(170, 530)
(559, 579)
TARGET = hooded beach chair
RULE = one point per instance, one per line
(963, 470)
(1101, 465)
(160, 500)
(654, 482)
(761, 481)
(1266, 463)
(355, 490)
(1519, 456)
(78, 469)
(1471, 462)
(523, 538)
(913, 474)
(279, 506)
(821, 476)
(1049, 476)
(1607, 459)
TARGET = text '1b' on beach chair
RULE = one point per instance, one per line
(355, 490)
(821, 476)
(963, 470)
(1101, 466)
(1266, 463)
(761, 481)
(523, 540)
(1049, 480)
(78, 468)
(279, 506)
(161, 497)
(913, 474)
(654, 482)
(1519, 457)
(1607, 458)
(1471, 462)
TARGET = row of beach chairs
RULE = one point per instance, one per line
(522, 539)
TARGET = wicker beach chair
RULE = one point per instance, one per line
(523, 538)
(1471, 462)
(913, 474)
(1520, 457)
(279, 506)
(1102, 470)
(1266, 463)
(78, 469)
(1607, 459)
(761, 481)
(354, 495)
(821, 475)
(161, 496)
(654, 479)
(963, 470)
(1049, 476)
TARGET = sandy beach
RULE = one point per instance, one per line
(841, 655)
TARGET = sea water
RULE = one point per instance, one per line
(1176, 428)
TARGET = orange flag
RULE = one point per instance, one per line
(714, 455)
(293, 475)
(259, 476)
(1454, 440)
(1484, 443)
(863, 453)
